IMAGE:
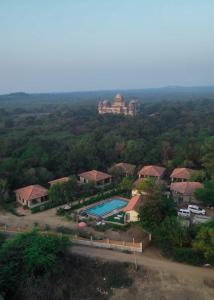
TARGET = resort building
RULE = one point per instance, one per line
(152, 172)
(100, 179)
(59, 180)
(132, 209)
(119, 106)
(124, 168)
(181, 174)
(184, 191)
(31, 195)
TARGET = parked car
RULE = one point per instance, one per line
(183, 212)
(195, 209)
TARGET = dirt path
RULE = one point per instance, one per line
(186, 271)
(159, 279)
(47, 217)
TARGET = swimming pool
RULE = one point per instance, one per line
(99, 210)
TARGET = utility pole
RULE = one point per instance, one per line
(135, 257)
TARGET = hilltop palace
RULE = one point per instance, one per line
(119, 106)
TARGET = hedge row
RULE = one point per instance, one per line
(50, 204)
(96, 199)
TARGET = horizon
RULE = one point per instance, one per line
(116, 90)
(81, 46)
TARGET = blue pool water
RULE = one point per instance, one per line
(102, 209)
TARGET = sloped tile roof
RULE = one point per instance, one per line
(32, 192)
(182, 173)
(185, 188)
(133, 203)
(152, 170)
(125, 167)
(59, 180)
(95, 175)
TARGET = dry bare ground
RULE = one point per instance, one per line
(159, 279)
(47, 217)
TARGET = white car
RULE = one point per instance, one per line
(183, 212)
(195, 209)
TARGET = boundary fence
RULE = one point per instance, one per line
(75, 239)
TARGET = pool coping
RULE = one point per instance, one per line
(103, 201)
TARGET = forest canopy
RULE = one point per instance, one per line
(40, 143)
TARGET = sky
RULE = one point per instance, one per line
(77, 45)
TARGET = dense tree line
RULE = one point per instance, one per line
(37, 145)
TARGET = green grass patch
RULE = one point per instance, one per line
(112, 218)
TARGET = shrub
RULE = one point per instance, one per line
(65, 230)
(188, 255)
(47, 227)
(60, 211)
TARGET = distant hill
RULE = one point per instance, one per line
(170, 93)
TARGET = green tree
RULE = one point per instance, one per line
(125, 184)
(71, 189)
(3, 190)
(56, 193)
(206, 194)
(155, 211)
(29, 255)
(198, 176)
(205, 242)
(150, 188)
(116, 173)
(169, 234)
(208, 156)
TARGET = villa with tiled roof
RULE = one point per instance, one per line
(132, 209)
(184, 191)
(125, 168)
(31, 195)
(100, 179)
(181, 174)
(152, 171)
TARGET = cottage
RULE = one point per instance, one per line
(31, 195)
(152, 172)
(100, 179)
(125, 169)
(132, 209)
(184, 191)
(59, 180)
(181, 174)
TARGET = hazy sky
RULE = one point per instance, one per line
(69, 45)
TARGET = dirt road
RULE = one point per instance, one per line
(161, 279)
(186, 271)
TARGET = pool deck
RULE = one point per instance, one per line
(113, 212)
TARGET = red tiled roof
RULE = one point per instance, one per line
(125, 167)
(59, 180)
(185, 188)
(133, 203)
(95, 175)
(155, 171)
(32, 192)
(182, 173)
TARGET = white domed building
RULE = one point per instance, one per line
(119, 106)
